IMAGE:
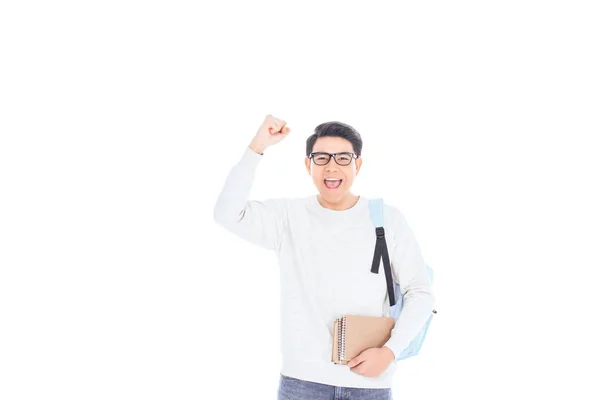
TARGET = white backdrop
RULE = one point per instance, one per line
(120, 121)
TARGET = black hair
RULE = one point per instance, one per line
(338, 129)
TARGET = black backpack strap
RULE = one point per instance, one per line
(381, 251)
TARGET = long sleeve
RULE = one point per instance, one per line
(409, 268)
(259, 222)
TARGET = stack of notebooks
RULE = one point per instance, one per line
(352, 334)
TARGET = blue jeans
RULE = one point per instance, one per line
(296, 389)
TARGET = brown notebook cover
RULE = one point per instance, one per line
(352, 334)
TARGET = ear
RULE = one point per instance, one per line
(358, 164)
(307, 163)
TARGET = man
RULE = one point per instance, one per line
(325, 245)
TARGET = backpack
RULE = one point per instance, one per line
(394, 297)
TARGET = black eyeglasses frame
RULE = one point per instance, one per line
(332, 155)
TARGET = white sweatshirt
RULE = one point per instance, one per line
(325, 259)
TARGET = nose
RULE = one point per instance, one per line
(331, 165)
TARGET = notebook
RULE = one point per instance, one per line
(352, 334)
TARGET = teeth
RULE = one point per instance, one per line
(332, 179)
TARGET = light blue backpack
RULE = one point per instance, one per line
(394, 296)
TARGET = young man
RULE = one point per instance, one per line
(325, 245)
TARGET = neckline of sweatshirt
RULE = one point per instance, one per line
(341, 215)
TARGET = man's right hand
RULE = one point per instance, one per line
(272, 131)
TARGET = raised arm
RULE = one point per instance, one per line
(260, 222)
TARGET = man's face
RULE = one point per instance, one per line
(332, 169)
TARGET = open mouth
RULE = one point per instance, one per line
(332, 183)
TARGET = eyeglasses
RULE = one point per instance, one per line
(321, 158)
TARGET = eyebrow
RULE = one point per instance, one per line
(333, 152)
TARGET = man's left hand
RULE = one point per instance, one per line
(372, 362)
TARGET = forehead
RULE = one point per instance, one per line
(333, 145)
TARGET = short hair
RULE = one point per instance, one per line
(335, 129)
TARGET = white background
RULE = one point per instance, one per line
(120, 121)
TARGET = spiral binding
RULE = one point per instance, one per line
(342, 338)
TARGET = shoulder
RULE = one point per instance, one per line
(393, 215)
(397, 227)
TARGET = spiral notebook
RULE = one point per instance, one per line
(352, 334)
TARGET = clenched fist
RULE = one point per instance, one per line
(272, 131)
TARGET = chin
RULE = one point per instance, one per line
(332, 195)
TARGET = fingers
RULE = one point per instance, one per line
(276, 124)
(277, 128)
(355, 361)
(365, 370)
(359, 369)
(282, 127)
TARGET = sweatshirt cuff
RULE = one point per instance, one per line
(250, 157)
(396, 346)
